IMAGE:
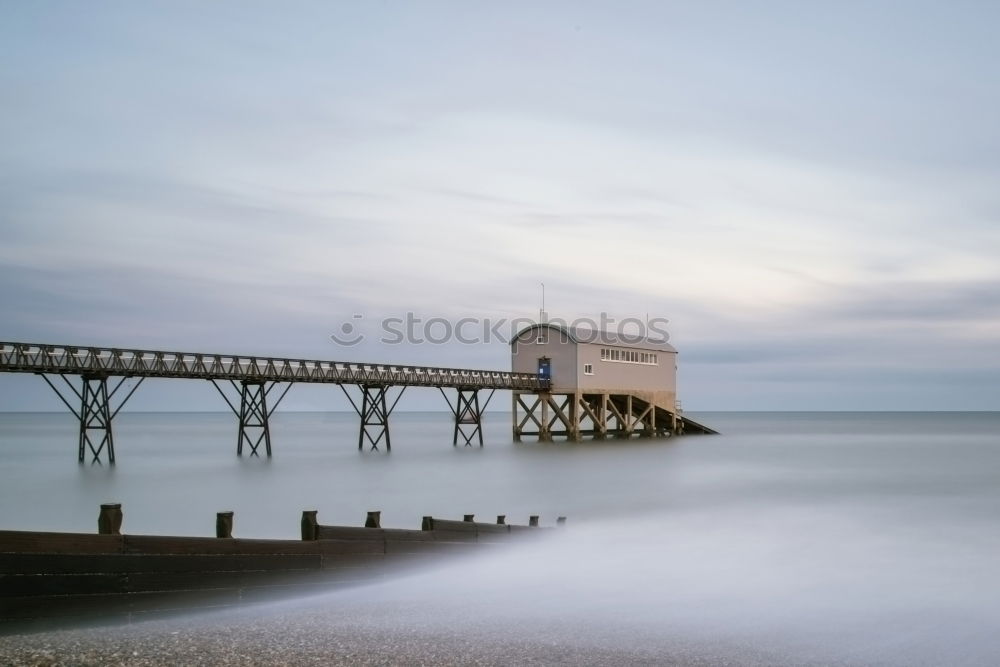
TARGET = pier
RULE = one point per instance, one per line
(94, 383)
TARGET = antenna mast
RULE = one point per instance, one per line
(542, 315)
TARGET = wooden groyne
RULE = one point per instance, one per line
(50, 579)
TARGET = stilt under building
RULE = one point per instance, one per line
(598, 385)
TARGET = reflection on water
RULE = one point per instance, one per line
(863, 537)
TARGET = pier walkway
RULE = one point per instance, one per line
(247, 383)
(95, 382)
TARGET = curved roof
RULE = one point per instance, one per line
(595, 337)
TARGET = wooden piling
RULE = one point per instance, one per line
(309, 524)
(75, 578)
(544, 430)
(468, 517)
(374, 520)
(533, 520)
(109, 521)
(224, 524)
(561, 521)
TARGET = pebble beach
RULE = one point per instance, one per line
(356, 636)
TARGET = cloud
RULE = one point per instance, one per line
(949, 301)
(806, 190)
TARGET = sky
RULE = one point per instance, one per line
(807, 191)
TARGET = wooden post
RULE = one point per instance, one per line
(533, 520)
(602, 417)
(544, 433)
(468, 517)
(573, 414)
(109, 521)
(605, 412)
(309, 524)
(224, 524)
(628, 416)
(514, 416)
(374, 520)
(427, 523)
(561, 521)
(501, 519)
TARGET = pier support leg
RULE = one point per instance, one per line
(254, 427)
(600, 408)
(573, 417)
(374, 418)
(253, 414)
(629, 417)
(554, 415)
(95, 417)
(374, 412)
(514, 418)
(95, 414)
(580, 415)
(592, 407)
(545, 429)
(617, 410)
(529, 415)
(563, 416)
(645, 418)
(468, 415)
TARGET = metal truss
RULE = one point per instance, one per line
(468, 415)
(253, 413)
(63, 359)
(95, 414)
(549, 413)
(374, 412)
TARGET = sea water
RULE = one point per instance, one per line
(862, 538)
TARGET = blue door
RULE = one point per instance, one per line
(544, 369)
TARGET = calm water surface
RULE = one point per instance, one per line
(861, 538)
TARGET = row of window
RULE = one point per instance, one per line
(629, 356)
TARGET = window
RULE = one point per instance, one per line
(629, 356)
(588, 369)
(543, 337)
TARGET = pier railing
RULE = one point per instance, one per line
(249, 381)
(248, 386)
(66, 359)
